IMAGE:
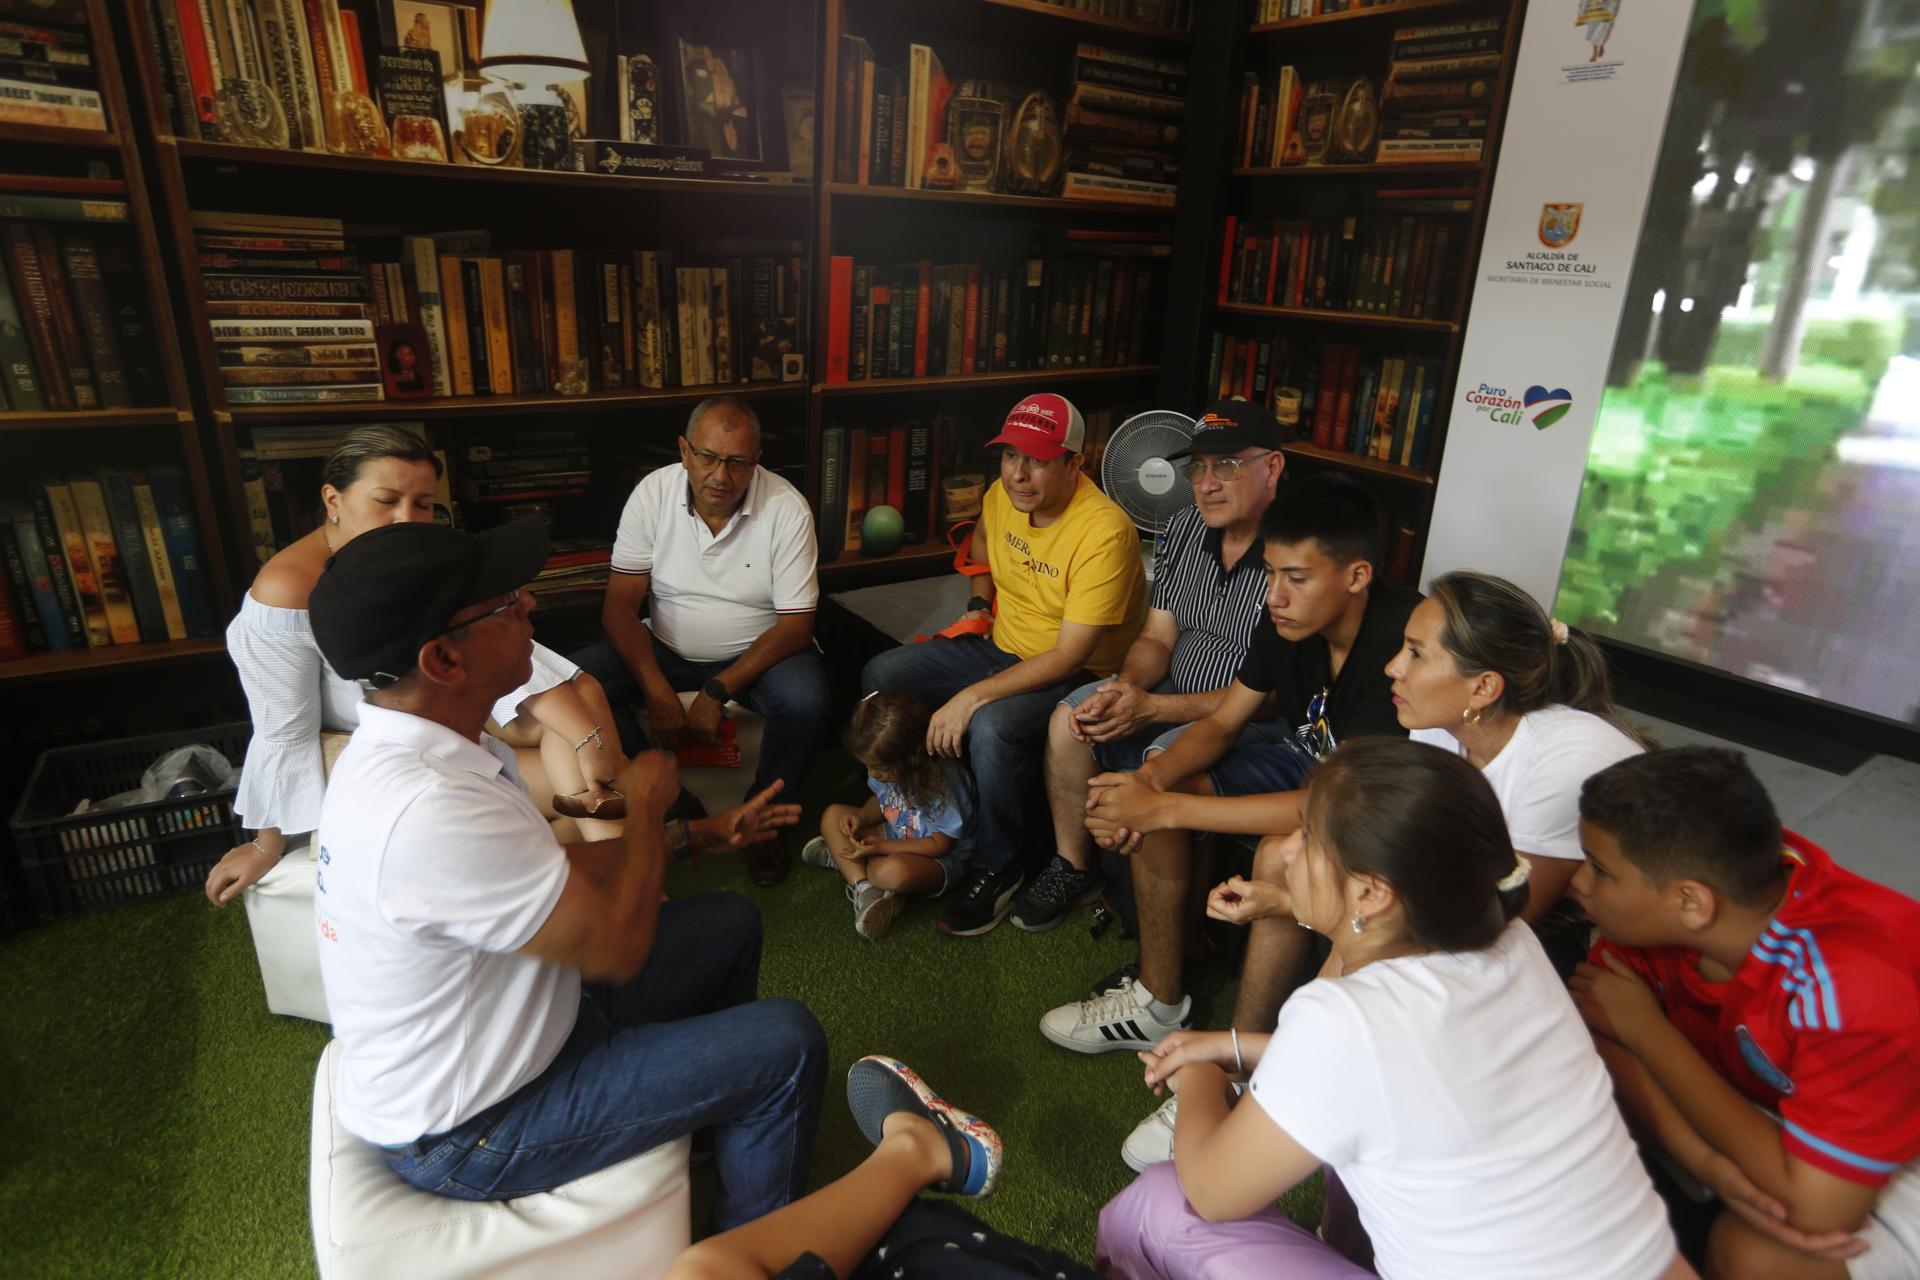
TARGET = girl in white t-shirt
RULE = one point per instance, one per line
(1437, 1064)
(1485, 673)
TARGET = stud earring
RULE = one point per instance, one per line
(1359, 923)
(1470, 716)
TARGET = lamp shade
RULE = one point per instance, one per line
(532, 42)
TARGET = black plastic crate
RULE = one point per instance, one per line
(75, 863)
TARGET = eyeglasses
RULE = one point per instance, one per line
(1225, 470)
(512, 601)
(712, 460)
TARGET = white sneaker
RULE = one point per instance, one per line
(873, 910)
(1118, 1020)
(1151, 1141)
(815, 853)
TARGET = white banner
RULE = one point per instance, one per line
(1590, 95)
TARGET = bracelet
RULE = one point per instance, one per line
(977, 603)
(593, 736)
(680, 841)
(255, 842)
(1239, 1066)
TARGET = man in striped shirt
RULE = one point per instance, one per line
(1209, 593)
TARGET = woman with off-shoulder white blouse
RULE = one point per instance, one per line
(559, 721)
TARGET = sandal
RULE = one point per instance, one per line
(608, 806)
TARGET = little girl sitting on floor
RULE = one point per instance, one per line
(914, 830)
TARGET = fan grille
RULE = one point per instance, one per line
(1134, 471)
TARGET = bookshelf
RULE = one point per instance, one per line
(106, 164)
(1030, 44)
(1286, 207)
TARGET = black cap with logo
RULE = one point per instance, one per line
(392, 589)
(1228, 426)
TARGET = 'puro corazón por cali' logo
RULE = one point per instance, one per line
(1547, 407)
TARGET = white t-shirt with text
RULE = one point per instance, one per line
(435, 869)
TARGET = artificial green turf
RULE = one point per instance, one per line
(156, 1115)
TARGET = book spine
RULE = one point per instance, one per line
(26, 593)
(669, 320)
(857, 460)
(358, 392)
(916, 504)
(164, 19)
(95, 320)
(73, 543)
(839, 319)
(702, 283)
(53, 553)
(183, 550)
(860, 325)
(453, 303)
(103, 554)
(956, 316)
(21, 381)
(923, 319)
(493, 294)
(37, 311)
(613, 374)
(646, 312)
(832, 524)
(724, 349)
(686, 326)
(153, 538)
(134, 565)
(475, 302)
(13, 633)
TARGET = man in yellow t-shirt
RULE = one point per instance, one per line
(1066, 578)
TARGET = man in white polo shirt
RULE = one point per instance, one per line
(725, 550)
(514, 1014)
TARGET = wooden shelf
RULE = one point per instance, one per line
(497, 406)
(163, 416)
(1308, 171)
(988, 200)
(1380, 12)
(1124, 26)
(1358, 319)
(964, 381)
(317, 162)
(1354, 462)
(74, 662)
(55, 136)
(923, 555)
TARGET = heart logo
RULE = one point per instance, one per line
(1547, 407)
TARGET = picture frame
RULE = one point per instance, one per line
(406, 371)
(451, 30)
(717, 98)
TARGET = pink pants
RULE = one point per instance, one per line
(1148, 1232)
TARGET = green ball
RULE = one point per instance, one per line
(880, 531)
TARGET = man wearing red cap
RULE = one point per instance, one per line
(1065, 594)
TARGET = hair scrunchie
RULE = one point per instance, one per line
(1517, 877)
(1559, 630)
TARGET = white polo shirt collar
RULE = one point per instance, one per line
(429, 737)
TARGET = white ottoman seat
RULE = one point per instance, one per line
(631, 1219)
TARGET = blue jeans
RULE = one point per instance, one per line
(681, 1046)
(1006, 741)
(791, 695)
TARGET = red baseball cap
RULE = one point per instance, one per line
(1043, 427)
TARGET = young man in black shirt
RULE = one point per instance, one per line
(1321, 655)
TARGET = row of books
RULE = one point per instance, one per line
(1174, 15)
(47, 75)
(1440, 82)
(863, 468)
(299, 317)
(1123, 127)
(1341, 397)
(289, 307)
(74, 331)
(273, 73)
(1395, 261)
(1281, 10)
(108, 558)
(924, 319)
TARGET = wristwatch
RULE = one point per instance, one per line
(977, 604)
(717, 690)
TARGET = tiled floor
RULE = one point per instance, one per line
(1869, 820)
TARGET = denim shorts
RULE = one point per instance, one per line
(1266, 758)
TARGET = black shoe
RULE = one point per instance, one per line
(1112, 982)
(1201, 978)
(1054, 893)
(981, 902)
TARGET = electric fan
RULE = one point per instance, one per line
(1135, 472)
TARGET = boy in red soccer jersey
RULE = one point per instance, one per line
(1759, 1009)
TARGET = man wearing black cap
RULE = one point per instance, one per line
(514, 1014)
(1209, 589)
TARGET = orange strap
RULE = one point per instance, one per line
(961, 539)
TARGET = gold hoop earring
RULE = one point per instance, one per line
(1470, 716)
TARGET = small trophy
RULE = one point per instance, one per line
(1033, 146)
